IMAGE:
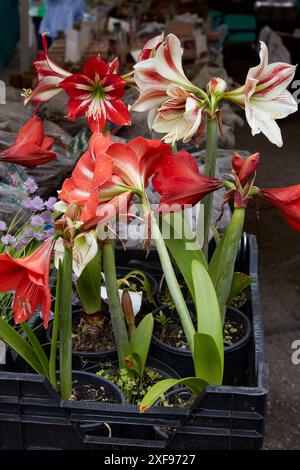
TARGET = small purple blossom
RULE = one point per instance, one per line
(29, 233)
(3, 226)
(47, 217)
(22, 241)
(74, 277)
(43, 236)
(37, 221)
(35, 204)
(30, 186)
(8, 240)
(49, 204)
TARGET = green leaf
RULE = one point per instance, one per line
(144, 281)
(240, 282)
(65, 331)
(20, 345)
(179, 242)
(208, 341)
(195, 384)
(221, 266)
(89, 285)
(134, 363)
(55, 330)
(37, 348)
(140, 341)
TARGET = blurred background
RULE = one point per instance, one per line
(220, 38)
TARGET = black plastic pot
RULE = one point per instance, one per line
(182, 393)
(167, 372)
(33, 416)
(235, 357)
(99, 428)
(153, 363)
(79, 358)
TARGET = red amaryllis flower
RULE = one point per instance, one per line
(109, 174)
(29, 278)
(32, 147)
(96, 93)
(245, 167)
(287, 201)
(180, 182)
(49, 77)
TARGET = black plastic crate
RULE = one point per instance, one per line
(32, 415)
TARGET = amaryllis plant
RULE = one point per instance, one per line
(111, 177)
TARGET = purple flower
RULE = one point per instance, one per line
(37, 221)
(30, 186)
(43, 236)
(49, 204)
(26, 203)
(47, 217)
(35, 204)
(8, 240)
(22, 241)
(29, 233)
(3, 226)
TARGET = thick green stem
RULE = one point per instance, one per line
(210, 170)
(115, 308)
(55, 330)
(173, 285)
(65, 332)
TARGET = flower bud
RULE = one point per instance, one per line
(217, 87)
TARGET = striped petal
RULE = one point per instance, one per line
(168, 61)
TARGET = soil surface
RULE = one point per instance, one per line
(173, 335)
(87, 392)
(93, 338)
(279, 275)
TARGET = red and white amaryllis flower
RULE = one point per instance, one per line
(150, 47)
(154, 75)
(180, 116)
(50, 75)
(29, 278)
(180, 182)
(287, 201)
(265, 97)
(96, 93)
(32, 147)
(108, 175)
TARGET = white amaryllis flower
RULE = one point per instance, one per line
(265, 97)
(84, 250)
(154, 75)
(179, 117)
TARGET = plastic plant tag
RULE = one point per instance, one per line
(136, 298)
(2, 352)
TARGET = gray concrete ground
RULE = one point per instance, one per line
(279, 280)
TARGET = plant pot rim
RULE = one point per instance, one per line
(227, 349)
(93, 377)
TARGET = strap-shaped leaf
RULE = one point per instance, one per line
(221, 266)
(140, 342)
(20, 345)
(195, 384)
(89, 285)
(37, 348)
(240, 282)
(208, 341)
(179, 243)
